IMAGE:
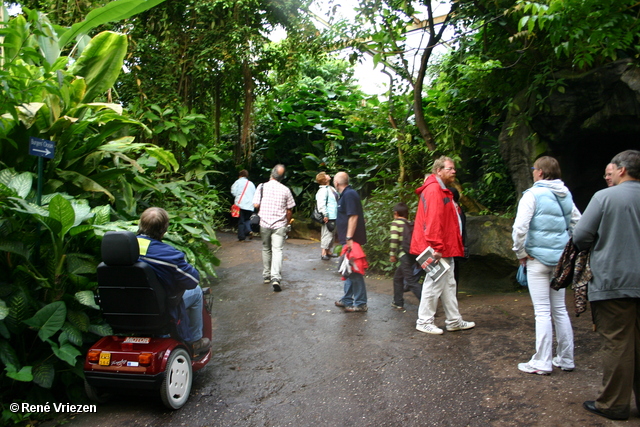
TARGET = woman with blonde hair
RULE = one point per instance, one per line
(327, 203)
(546, 216)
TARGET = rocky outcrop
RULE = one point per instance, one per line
(491, 265)
(583, 122)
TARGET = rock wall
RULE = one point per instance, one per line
(491, 265)
(594, 116)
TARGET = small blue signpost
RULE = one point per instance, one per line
(42, 147)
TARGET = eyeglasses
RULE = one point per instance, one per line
(449, 169)
(533, 168)
(607, 175)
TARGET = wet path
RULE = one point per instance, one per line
(293, 358)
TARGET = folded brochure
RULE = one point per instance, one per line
(434, 268)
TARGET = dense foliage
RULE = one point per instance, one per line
(50, 227)
(207, 91)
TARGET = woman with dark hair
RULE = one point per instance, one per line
(546, 215)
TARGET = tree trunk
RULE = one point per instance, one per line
(245, 137)
(434, 39)
(217, 113)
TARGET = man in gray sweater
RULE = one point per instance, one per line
(610, 226)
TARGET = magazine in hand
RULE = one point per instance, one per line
(435, 269)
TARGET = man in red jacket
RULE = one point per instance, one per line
(438, 225)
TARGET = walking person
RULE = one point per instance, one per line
(243, 191)
(327, 203)
(610, 227)
(438, 226)
(546, 215)
(404, 278)
(352, 233)
(275, 202)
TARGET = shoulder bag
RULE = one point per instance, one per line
(316, 215)
(255, 218)
(235, 209)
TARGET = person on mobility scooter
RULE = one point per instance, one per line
(178, 277)
(150, 296)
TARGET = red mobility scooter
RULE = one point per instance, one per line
(143, 353)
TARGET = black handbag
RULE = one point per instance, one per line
(317, 216)
(254, 219)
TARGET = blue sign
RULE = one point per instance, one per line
(42, 147)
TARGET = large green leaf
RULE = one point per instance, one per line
(44, 374)
(8, 355)
(15, 37)
(4, 310)
(14, 247)
(87, 298)
(23, 375)
(79, 319)
(22, 184)
(166, 158)
(47, 39)
(85, 183)
(61, 210)
(49, 319)
(113, 11)
(102, 214)
(66, 352)
(70, 334)
(101, 330)
(101, 63)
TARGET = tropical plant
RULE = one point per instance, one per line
(378, 214)
(48, 313)
(49, 237)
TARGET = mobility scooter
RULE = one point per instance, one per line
(143, 353)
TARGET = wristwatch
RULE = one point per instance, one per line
(349, 238)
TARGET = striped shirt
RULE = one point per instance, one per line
(274, 199)
(395, 238)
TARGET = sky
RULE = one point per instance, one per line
(371, 79)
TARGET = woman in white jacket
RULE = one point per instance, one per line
(327, 203)
(546, 215)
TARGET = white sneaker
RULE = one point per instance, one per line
(461, 326)
(556, 362)
(525, 367)
(429, 328)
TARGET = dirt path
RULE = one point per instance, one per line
(293, 358)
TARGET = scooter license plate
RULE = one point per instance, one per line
(105, 359)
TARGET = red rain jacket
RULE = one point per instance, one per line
(437, 222)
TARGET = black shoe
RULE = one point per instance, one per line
(325, 257)
(590, 406)
(276, 286)
(266, 280)
(200, 345)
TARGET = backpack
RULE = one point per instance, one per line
(407, 232)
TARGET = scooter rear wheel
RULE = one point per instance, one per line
(176, 385)
(96, 394)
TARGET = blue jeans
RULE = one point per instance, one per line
(193, 301)
(355, 290)
(244, 225)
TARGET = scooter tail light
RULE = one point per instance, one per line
(93, 356)
(145, 359)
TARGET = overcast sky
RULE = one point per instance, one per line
(372, 80)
